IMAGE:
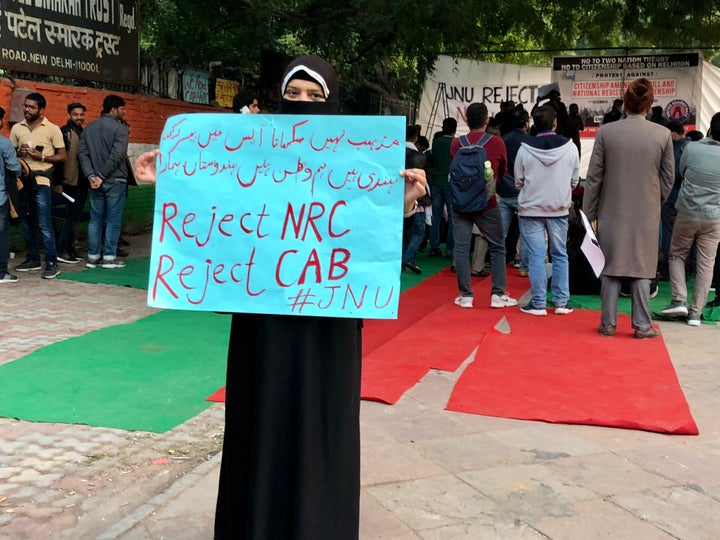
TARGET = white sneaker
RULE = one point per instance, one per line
(502, 301)
(464, 301)
(539, 312)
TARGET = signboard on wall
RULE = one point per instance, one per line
(196, 85)
(594, 82)
(80, 39)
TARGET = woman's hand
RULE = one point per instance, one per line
(145, 167)
(415, 186)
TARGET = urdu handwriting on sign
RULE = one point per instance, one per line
(279, 138)
(374, 145)
(212, 135)
(301, 173)
(245, 138)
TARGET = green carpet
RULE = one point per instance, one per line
(663, 298)
(134, 274)
(150, 375)
(429, 265)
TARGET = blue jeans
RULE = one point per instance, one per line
(533, 231)
(106, 208)
(441, 198)
(413, 234)
(508, 208)
(4, 237)
(39, 222)
(490, 224)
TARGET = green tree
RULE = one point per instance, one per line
(388, 47)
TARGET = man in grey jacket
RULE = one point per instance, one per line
(547, 168)
(103, 159)
(698, 219)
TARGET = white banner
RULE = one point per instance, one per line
(469, 81)
(710, 102)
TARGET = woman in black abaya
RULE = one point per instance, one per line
(291, 454)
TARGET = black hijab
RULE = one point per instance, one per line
(315, 69)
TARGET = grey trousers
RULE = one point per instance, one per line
(707, 235)
(609, 294)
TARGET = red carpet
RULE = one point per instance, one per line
(218, 396)
(554, 368)
(439, 339)
(415, 303)
(578, 377)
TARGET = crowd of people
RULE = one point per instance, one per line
(42, 161)
(641, 180)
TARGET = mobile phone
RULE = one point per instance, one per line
(39, 148)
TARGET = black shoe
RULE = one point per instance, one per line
(121, 253)
(7, 277)
(435, 252)
(67, 258)
(51, 272)
(414, 268)
(28, 265)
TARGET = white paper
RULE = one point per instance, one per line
(68, 197)
(591, 247)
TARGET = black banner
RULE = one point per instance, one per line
(95, 40)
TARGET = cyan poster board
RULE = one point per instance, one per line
(279, 214)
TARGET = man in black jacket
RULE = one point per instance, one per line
(414, 221)
(71, 183)
(506, 190)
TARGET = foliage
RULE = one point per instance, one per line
(389, 47)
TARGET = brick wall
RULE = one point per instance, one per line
(146, 116)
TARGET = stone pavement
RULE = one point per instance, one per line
(427, 473)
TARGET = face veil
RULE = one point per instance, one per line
(315, 69)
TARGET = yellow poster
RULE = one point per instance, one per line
(225, 91)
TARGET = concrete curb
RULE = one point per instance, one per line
(115, 531)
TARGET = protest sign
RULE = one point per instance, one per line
(279, 214)
(594, 82)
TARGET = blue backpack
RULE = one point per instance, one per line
(467, 176)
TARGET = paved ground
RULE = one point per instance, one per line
(427, 473)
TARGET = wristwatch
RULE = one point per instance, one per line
(412, 210)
